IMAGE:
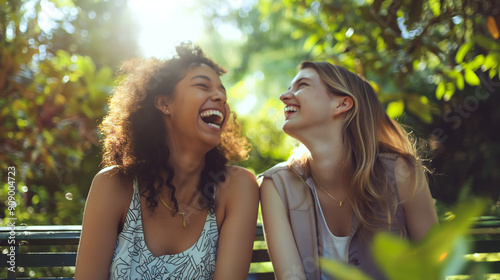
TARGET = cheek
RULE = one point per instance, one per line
(317, 109)
(227, 111)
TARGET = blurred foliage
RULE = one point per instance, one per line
(440, 252)
(434, 64)
(57, 60)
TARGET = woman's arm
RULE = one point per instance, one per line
(418, 205)
(279, 237)
(104, 211)
(240, 197)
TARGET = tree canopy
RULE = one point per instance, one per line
(57, 68)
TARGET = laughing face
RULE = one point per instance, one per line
(308, 103)
(198, 110)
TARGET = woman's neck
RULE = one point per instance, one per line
(325, 159)
(187, 169)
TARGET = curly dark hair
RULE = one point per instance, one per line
(135, 135)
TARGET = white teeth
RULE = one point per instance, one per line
(214, 125)
(291, 109)
(212, 112)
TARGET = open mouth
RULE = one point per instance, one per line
(213, 118)
(290, 109)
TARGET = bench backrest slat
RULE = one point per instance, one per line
(46, 259)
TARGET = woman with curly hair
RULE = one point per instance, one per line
(167, 206)
(359, 175)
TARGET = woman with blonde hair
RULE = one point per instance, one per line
(359, 175)
(167, 206)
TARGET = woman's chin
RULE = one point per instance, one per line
(211, 141)
(289, 128)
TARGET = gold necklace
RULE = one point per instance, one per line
(183, 214)
(341, 202)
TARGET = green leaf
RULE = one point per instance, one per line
(35, 199)
(441, 238)
(419, 106)
(459, 81)
(471, 78)
(493, 72)
(390, 251)
(297, 34)
(440, 91)
(477, 62)
(462, 51)
(486, 42)
(435, 7)
(63, 58)
(395, 108)
(48, 137)
(450, 90)
(310, 42)
(491, 61)
(437, 252)
(21, 123)
(342, 271)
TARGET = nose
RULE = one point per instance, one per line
(219, 96)
(286, 96)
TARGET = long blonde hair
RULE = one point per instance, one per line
(367, 132)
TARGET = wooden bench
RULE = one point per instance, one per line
(34, 238)
(483, 238)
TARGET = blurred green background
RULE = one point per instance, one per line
(434, 64)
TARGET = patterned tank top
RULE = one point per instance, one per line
(133, 260)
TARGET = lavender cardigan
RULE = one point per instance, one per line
(290, 182)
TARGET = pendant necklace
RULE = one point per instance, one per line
(341, 202)
(183, 214)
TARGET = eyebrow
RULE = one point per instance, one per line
(299, 80)
(208, 79)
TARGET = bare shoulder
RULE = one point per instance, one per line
(108, 184)
(241, 177)
(239, 182)
(110, 178)
(415, 196)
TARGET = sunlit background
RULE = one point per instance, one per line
(163, 24)
(435, 66)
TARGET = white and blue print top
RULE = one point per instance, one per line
(133, 260)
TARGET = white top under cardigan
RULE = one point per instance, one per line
(334, 247)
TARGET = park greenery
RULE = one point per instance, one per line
(435, 65)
